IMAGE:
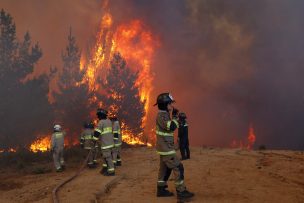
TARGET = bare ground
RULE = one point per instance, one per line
(214, 175)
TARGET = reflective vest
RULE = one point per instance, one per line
(116, 129)
(164, 136)
(104, 127)
(87, 138)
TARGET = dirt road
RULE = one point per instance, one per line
(214, 175)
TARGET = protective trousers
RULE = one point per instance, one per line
(184, 149)
(167, 163)
(118, 154)
(114, 154)
(93, 156)
(58, 158)
(95, 153)
(107, 158)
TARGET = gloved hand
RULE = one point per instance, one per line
(174, 112)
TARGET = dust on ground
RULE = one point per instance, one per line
(213, 174)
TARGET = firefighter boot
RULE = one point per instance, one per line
(58, 170)
(162, 192)
(118, 163)
(103, 171)
(109, 174)
(184, 194)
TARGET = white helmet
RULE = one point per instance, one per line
(57, 127)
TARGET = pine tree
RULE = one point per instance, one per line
(123, 99)
(24, 107)
(72, 104)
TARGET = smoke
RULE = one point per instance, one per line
(49, 22)
(227, 63)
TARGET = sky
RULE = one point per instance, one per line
(228, 64)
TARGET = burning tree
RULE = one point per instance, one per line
(72, 104)
(122, 96)
(24, 107)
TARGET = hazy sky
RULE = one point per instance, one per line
(227, 63)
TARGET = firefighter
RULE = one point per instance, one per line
(104, 132)
(117, 142)
(183, 136)
(88, 142)
(57, 146)
(165, 126)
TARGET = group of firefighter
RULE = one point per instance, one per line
(106, 138)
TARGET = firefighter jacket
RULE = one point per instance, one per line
(183, 131)
(105, 133)
(87, 139)
(165, 127)
(57, 140)
(117, 134)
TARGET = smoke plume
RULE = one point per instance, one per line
(228, 64)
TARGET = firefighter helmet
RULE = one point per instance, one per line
(182, 115)
(164, 99)
(102, 113)
(88, 125)
(57, 127)
(114, 118)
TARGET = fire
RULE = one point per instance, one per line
(129, 138)
(41, 144)
(8, 150)
(251, 137)
(250, 140)
(137, 45)
(12, 150)
(135, 42)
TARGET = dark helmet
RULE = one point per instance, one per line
(88, 125)
(182, 115)
(101, 113)
(114, 118)
(164, 99)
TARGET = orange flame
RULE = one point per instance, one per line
(136, 44)
(8, 150)
(42, 144)
(12, 150)
(251, 137)
(129, 138)
(250, 140)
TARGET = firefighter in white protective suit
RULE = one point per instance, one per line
(57, 146)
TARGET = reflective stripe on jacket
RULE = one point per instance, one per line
(104, 127)
(164, 136)
(57, 140)
(87, 138)
(116, 130)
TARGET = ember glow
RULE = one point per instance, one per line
(42, 144)
(8, 150)
(136, 44)
(129, 138)
(250, 140)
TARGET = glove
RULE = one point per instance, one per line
(174, 112)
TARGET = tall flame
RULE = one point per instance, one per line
(136, 44)
(250, 140)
